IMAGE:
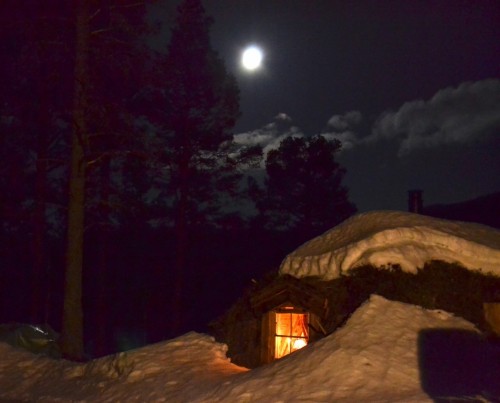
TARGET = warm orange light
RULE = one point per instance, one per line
(298, 344)
(291, 333)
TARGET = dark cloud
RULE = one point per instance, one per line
(346, 121)
(270, 135)
(454, 115)
(344, 128)
(340, 127)
(461, 115)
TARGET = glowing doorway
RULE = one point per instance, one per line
(292, 332)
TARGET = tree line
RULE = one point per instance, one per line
(122, 192)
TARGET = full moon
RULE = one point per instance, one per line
(251, 58)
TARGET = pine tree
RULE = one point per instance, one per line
(303, 191)
(72, 71)
(34, 94)
(200, 104)
(105, 80)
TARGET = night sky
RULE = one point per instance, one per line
(412, 88)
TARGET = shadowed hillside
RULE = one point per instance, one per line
(483, 210)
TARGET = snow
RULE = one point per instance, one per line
(379, 355)
(374, 357)
(176, 370)
(384, 238)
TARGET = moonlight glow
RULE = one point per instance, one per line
(252, 58)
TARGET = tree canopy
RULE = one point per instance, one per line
(303, 191)
(120, 175)
(199, 104)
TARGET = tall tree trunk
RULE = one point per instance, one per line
(39, 310)
(72, 323)
(182, 245)
(102, 318)
(39, 277)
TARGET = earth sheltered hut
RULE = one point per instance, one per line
(290, 314)
(437, 264)
(275, 318)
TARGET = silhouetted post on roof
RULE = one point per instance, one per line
(415, 201)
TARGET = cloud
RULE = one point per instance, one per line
(340, 127)
(454, 115)
(343, 128)
(269, 136)
(348, 138)
(346, 121)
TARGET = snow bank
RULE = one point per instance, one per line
(374, 357)
(382, 238)
(176, 370)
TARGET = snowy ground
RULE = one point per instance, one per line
(380, 238)
(377, 356)
(386, 352)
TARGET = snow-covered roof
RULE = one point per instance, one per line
(384, 238)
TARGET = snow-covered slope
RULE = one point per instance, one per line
(382, 238)
(374, 357)
(176, 370)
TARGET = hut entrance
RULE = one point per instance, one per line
(285, 329)
(291, 331)
(288, 314)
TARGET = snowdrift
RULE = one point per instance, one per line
(377, 356)
(384, 238)
(374, 357)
